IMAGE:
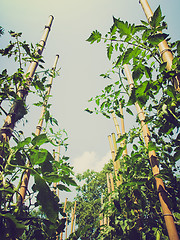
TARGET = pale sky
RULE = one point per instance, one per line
(81, 63)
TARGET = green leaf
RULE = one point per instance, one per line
(113, 29)
(135, 147)
(39, 140)
(95, 36)
(38, 156)
(152, 146)
(89, 111)
(46, 198)
(145, 23)
(23, 143)
(171, 92)
(26, 48)
(47, 116)
(121, 138)
(106, 115)
(109, 50)
(119, 152)
(157, 38)
(156, 18)
(129, 111)
(162, 66)
(129, 54)
(140, 28)
(63, 188)
(123, 27)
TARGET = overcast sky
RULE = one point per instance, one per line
(81, 63)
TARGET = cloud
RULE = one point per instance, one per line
(90, 160)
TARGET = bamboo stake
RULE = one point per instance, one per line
(54, 184)
(72, 218)
(112, 183)
(10, 121)
(66, 225)
(123, 128)
(167, 214)
(39, 126)
(57, 159)
(109, 191)
(116, 124)
(25, 181)
(64, 210)
(117, 162)
(164, 49)
(101, 214)
(74, 223)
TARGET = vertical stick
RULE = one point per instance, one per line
(57, 159)
(117, 162)
(109, 191)
(164, 201)
(39, 126)
(164, 49)
(74, 223)
(116, 124)
(113, 158)
(72, 218)
(25, 181)
(123, 128)
(10, 121)
(64, 210)
(66, 225)
(112, 183)
(54, 184)
(101, 214)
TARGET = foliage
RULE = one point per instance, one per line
(91, 185)
(135, 211)
(39, 217)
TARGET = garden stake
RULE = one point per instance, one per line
(164, 201)
(164, 49)
(123, 129)
(113, 158)
(101, 214)
(54, 184)
(66, 225)
(109, 191)
(64, 210)
(72, 216)
(25, 181)
(117, 162)
(112, 183)
(74, 223)
(10, 121)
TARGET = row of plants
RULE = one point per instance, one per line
(135, 211)
(40, 214)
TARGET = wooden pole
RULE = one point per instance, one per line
(66, 225)
(116, 124)
(109, 191)
(118, 182)
(164, 49)
(112, 183)
(54, 184)
(123, 128)
(39, 126)
(64, 210)
(74, 223)
(101, 214)
(72, 216)
(164, 201)
(25, 181)
(10, 121)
